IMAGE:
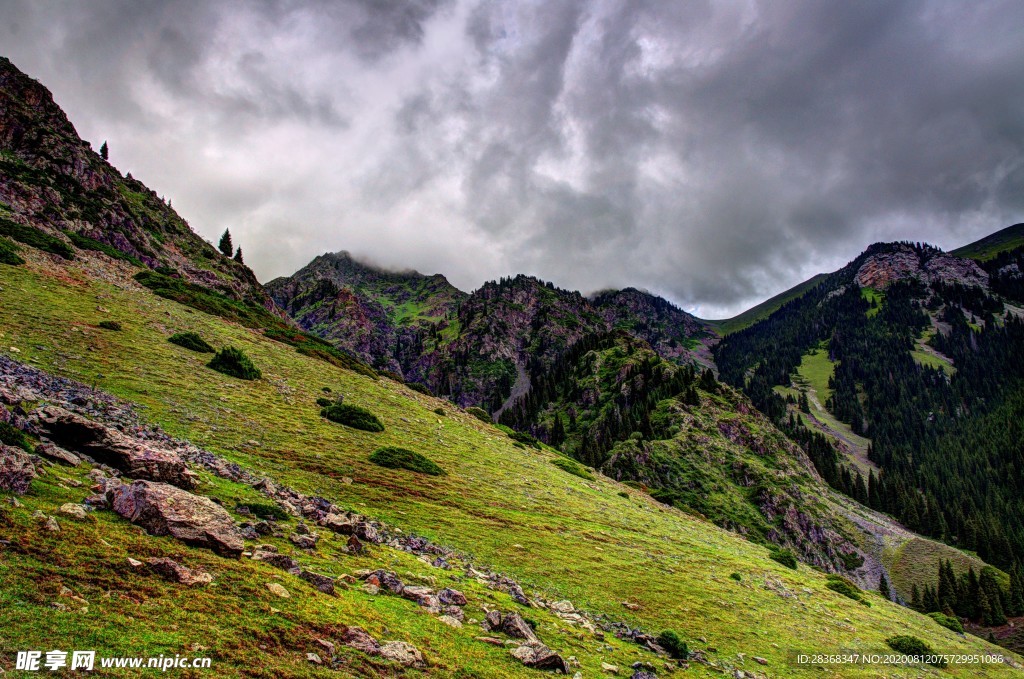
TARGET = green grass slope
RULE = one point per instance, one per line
(506, 506)
(765, 308)
(988, 247)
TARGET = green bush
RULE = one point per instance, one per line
(325, 402)
(33, 237)
(675, 646)
(480, 414)
(352, 416)
(624, 494)
(234, 362)
(440, 411)
(908, 645)
(841, 585)
(949, 622)
(573, 467)
(11, 436)
(110, 325)
(264, 510)
(191, 341)
(851, 560)
(736, 576)
(400, 458)
(783, 556)
(9, 253)
(85, 243)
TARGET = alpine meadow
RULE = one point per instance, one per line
(541, 461)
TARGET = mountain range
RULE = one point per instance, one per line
(359, 472)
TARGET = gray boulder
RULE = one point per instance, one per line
(163, 509)
(16, 469)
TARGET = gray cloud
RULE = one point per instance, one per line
(715, 153)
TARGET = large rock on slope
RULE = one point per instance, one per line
(16, 469)
(136, 459)
(162, 509)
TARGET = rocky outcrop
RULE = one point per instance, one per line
(162, 509)
(16, 469)
(52, 180)
(892, 262)
(134, 458)
(171, 570)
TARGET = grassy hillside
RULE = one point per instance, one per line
(597, 542)
(988, 247)
(765, 308)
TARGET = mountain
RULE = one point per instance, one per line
(279, 508)
(765, 308)
(908, 358)
(55, 189)
(1010, 238)
(377, 315)
(484, 348)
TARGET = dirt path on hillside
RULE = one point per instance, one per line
(856, 451)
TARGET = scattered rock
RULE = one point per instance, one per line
(278, 590)
(354, 545)
(513, 625)
(285, 563)
(386, 580)
(72, 510)
(643, 674)
(491, 640)
(609, 668)
(16, 469)
(136, 459)
(539, 657)
(450, 621)
(563, 607)
(631, 606)
(451, 597)
(163, 509)
(303, 541)
(759, 660)
(170, 569)
(314, 658)
(50, 524)
(359, 639)
(134, 563)
(328, 647)
(54, 452)
(322, 582)
(402, 653)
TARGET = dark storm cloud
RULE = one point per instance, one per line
(712, 152)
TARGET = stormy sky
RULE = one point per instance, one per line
(713, 152)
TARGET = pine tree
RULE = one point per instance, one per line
(708, 382)
(557, 431)
(915, 598)
(238, 256)
(225, 246)
(883, 587)
(104, 151)
(1015, 605)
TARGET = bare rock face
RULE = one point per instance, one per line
(539, 657)
(16, 469)
(136, 459)
(162, 509)
(901, 261)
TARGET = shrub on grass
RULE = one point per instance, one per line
(440, 411)
(9, 253)
(480, 414)
(264, 510)
(675, 646)
(736, 576)
(400, 458)
(33, 237)
(783, 556)
(234, 362)
(573, 467)
(949, 622)
(110, 325)
(841, 585)
(191, 341)
(14, 437)
(325, 402)
(352, 416)
(908, 645)
(624, 494)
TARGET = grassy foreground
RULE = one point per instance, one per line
(507, 506)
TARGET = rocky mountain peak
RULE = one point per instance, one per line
(890, 262)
